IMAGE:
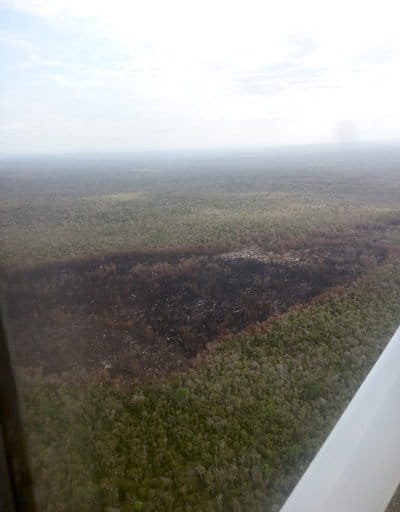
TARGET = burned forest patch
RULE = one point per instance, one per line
(138, 314)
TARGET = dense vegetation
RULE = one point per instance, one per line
(273, 345)
(61, 210)
(234, 433)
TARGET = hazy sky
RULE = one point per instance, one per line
(115, 75)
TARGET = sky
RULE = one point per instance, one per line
(133, 75)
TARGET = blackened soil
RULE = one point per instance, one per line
(143, 314)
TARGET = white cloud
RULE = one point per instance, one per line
(218, 72)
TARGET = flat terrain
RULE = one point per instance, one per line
(52, 210)
(145, 314)
(186, 329)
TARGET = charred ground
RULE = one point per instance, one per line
(142, 314)
(236, 431)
